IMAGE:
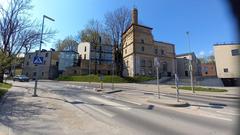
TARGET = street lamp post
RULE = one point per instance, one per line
(38, 53)
(190, 63)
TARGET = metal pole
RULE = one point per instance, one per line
(190, 63)
(89, 63)
(158, 83)
(191, 75)
(176, 83)
(38, 53)
(112, 76)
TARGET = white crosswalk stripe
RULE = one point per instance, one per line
(107, 102)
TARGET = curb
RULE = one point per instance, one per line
(180, 104)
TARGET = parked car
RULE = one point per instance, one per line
(21, 78)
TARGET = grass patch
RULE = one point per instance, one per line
(4, 88)
(106, 79)
(202, 89)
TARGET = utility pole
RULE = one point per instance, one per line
(38, 53)
(190, 63)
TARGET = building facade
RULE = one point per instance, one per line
(47, 70)
(54, 63)
(139, 50)
(183, 62)
(208, 70)
(95, 58)
(227, 57)
(67, 59)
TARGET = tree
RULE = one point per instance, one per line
(17, 32)
(96, 35)
(116, 23)
(68, 44)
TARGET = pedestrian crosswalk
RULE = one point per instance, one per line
(110, 103)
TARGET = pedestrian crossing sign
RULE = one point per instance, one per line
(38, 60)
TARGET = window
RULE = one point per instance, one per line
(46, 55)
(225, 70)
(29, 56)
(156, 51)
(142, 48)
(85, 49)
(164, 66)
(150, 63)
(44, 62)
(27, 63)
(125, 51)
(34, 73)
(84, 56)
(127, 63)
(42, 73)
(162, 52)
(142, 63)
(235, 52)
(142, 41)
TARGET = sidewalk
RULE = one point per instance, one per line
(48, 114)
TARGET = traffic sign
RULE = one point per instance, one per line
(38, 60)
(156, 62)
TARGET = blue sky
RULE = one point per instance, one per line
(208, 21)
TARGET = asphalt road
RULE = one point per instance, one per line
(234, 103)
(139, 119)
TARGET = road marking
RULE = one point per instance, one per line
(225, 112)
(107, 102)
(101, 111)
(212, 116)
(132, 102)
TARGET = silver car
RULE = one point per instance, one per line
(21, 78)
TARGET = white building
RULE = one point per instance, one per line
(227, 57)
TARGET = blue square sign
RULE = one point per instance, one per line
(38, 60)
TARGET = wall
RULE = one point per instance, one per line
(225, 60)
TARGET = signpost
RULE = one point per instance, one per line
(37, 59)
(157, 65)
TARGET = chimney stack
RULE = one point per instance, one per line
(134, 16)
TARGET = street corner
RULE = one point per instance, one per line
(169, 102)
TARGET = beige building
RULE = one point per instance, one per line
(49, 68)
(140, 49)
(227, 57)
(183, 62)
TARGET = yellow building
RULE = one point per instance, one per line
(140, 49)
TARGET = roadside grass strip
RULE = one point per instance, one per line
(201, 89)
(4, 88)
